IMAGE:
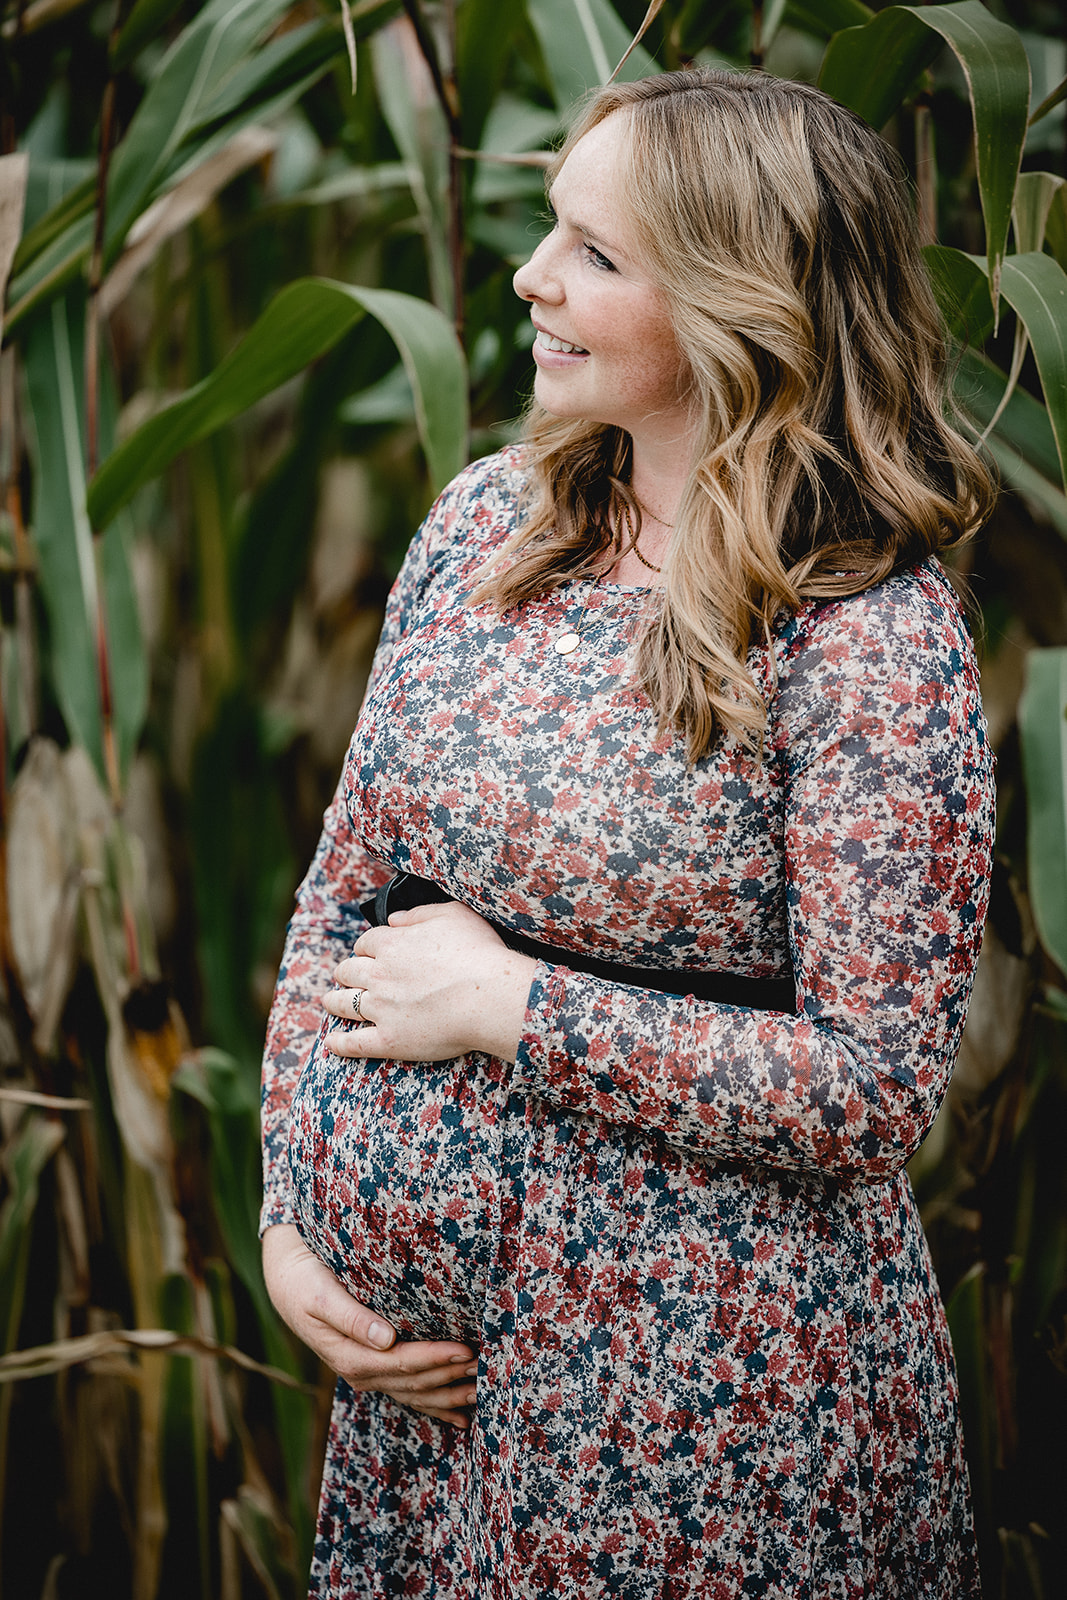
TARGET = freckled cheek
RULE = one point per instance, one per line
(656, 380)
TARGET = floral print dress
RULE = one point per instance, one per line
(713, 1361)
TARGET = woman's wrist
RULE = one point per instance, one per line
(500, 987)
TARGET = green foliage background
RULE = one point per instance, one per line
(255, 318)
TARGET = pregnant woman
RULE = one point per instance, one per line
(609, 1236)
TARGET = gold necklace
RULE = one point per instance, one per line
(568, 642)
(643, 559)
(645, 512)
(634, 537)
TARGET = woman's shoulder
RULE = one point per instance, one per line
(912, 620)
(899, 653)
(474, 513)
(492, 482)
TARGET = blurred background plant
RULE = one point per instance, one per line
(257, 259)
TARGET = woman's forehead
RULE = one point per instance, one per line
(590, 182)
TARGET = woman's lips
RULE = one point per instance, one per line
(549, 341)
(548, 351)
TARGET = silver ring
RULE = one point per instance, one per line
(357, 1001)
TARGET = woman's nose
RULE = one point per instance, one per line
(537, 280)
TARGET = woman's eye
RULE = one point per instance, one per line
(598, 259)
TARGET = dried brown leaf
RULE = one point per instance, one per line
(39, 15)
(96, 1413)
(14, 170)
(92, 810)
(47, 1102)
(73, 1234)
(650, 16)
(43, 881)
(350, 39)
(182, 205)
(999, 1004)
(249, 1516)
(44, 1359)
(145, 819)
(526, 158)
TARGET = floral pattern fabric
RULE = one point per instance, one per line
(713, 1361)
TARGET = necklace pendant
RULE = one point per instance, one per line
(567, 643)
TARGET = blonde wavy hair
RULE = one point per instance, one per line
(780, 229)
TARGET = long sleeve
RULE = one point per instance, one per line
(327, 920)
(887, 804)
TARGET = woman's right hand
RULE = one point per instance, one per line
(434, 1377)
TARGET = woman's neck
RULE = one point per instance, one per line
(658, 478)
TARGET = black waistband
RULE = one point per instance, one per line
(404, 892)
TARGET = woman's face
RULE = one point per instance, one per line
(605, 348)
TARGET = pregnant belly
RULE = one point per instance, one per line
(395, 1177)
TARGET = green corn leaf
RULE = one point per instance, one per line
(304, 320)
(54, 361)
(513, 127)
(583, 42)
(23, 1159)
(161, 148)
(1023, 424)
(1056, 226)
(1022, 442)
(389, 401)
(191, 75)
(59, 232)
(873, 69)
(1035, 286)
(1043, 730)
(185, 1445)
(1035, 194)
(485, 46)
(232, 1105)
(195, 152)
(417, 123)
(962, 291)
(968, 1324)
(145, 21)
(1054, 98)
(297, 57)
(1018, 474)
(76, 202)
(827, 17)
(51, 274)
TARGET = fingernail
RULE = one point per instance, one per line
(472, 1372)
(378, 1334)
(471, 1398)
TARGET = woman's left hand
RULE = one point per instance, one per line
(437, 982)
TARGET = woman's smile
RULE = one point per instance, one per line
(547, 345)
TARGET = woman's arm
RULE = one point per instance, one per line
(325, 925)
(327, 919)
(326, 922)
